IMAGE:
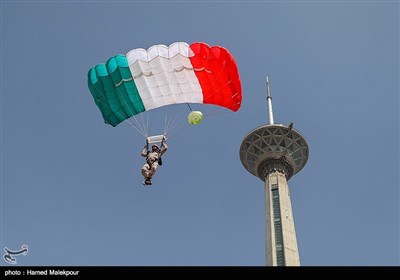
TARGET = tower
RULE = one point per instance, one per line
(274, 153)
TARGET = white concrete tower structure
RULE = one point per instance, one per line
(274, 153)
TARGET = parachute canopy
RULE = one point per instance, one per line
(143, 80)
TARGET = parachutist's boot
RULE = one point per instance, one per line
(147, 182)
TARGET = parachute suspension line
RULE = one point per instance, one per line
(165, 123)
(144, 125)
(140, 130)
(171, 128)
(178, 131)
(148, 117)
(189, 107)
(172, 123)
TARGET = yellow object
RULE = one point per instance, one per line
(195, 117)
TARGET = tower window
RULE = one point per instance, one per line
(280, 253)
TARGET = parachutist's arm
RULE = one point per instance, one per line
(144, 151)
(164, 148)
(163, 140)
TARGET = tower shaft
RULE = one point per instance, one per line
(281, 243)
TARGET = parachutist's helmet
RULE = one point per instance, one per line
(154, 147)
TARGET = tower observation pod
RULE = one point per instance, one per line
(274, 153)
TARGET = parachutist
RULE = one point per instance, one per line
(138, 89)
(290, 126)
(153, 160)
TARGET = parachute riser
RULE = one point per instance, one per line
(155, 140)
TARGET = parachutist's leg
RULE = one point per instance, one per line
(146, 171)
(153, 169)
(146, 174)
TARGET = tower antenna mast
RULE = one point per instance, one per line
(269, 102)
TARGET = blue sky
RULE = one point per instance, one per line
(71, 185)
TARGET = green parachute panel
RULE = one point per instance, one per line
(114, 90)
